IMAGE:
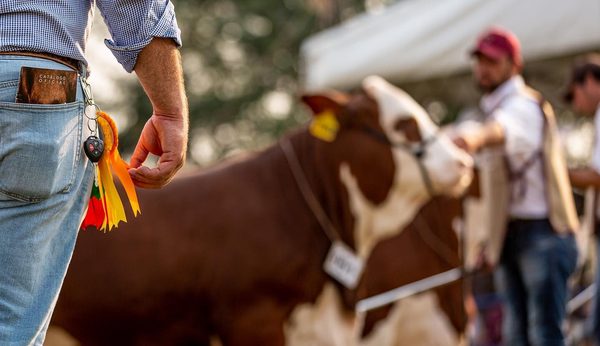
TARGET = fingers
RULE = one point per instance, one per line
(154, 178)
(461, 143)
(165, 137)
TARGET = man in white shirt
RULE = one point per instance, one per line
(583, 94)
(536, 260)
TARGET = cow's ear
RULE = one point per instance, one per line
(330, 101)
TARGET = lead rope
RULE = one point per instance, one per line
(307, 193)
(426, 178)
(435, 243)
(416, 152)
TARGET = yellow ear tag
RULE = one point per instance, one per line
(325, 126)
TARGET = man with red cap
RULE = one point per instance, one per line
(536, 251)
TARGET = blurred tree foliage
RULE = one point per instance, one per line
(241, 69)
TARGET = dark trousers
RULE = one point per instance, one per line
(595, 317)
(532, 278)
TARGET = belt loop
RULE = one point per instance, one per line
(87, 88)
(83, 69)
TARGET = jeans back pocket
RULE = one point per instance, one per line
(39, 149)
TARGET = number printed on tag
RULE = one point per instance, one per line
(343, 265)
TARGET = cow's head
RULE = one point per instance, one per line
(389, 157)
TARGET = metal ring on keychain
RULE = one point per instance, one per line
(92, 119)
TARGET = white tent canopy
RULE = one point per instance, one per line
(420, 39)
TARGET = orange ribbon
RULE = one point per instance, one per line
(111, 161)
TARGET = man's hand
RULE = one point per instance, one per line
(482, 263)
(584, 177)
(470, 144)
(462, 143)
(163, 136)
(488, 134)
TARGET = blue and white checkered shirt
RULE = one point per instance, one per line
(62, 27)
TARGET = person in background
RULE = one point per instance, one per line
(583, 95)
(537, 252)
(45, 177)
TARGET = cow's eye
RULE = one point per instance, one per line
(409, 127)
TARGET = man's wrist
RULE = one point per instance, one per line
(174, 113)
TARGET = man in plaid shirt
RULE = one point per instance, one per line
(45, 180)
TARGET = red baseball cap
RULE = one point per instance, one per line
(496, 43)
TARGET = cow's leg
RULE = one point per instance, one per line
(373, 317)
(255, 324)
(416, 320)
(325, 323)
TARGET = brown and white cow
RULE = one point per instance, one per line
(236, 251)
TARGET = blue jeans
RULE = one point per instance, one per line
(532, 277)
(595, 315)
(45, 183)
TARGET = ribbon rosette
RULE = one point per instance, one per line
(105, 209)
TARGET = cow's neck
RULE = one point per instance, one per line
(325, 185)
(359, 222)
(376, 222)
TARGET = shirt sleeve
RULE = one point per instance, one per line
(523, 123)
(133, 24)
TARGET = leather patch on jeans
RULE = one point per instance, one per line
(46, 86)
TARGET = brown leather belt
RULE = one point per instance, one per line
(69, 62)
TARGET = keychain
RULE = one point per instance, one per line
(105, 209)
(93, 146)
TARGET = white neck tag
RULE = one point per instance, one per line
(343, 265)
